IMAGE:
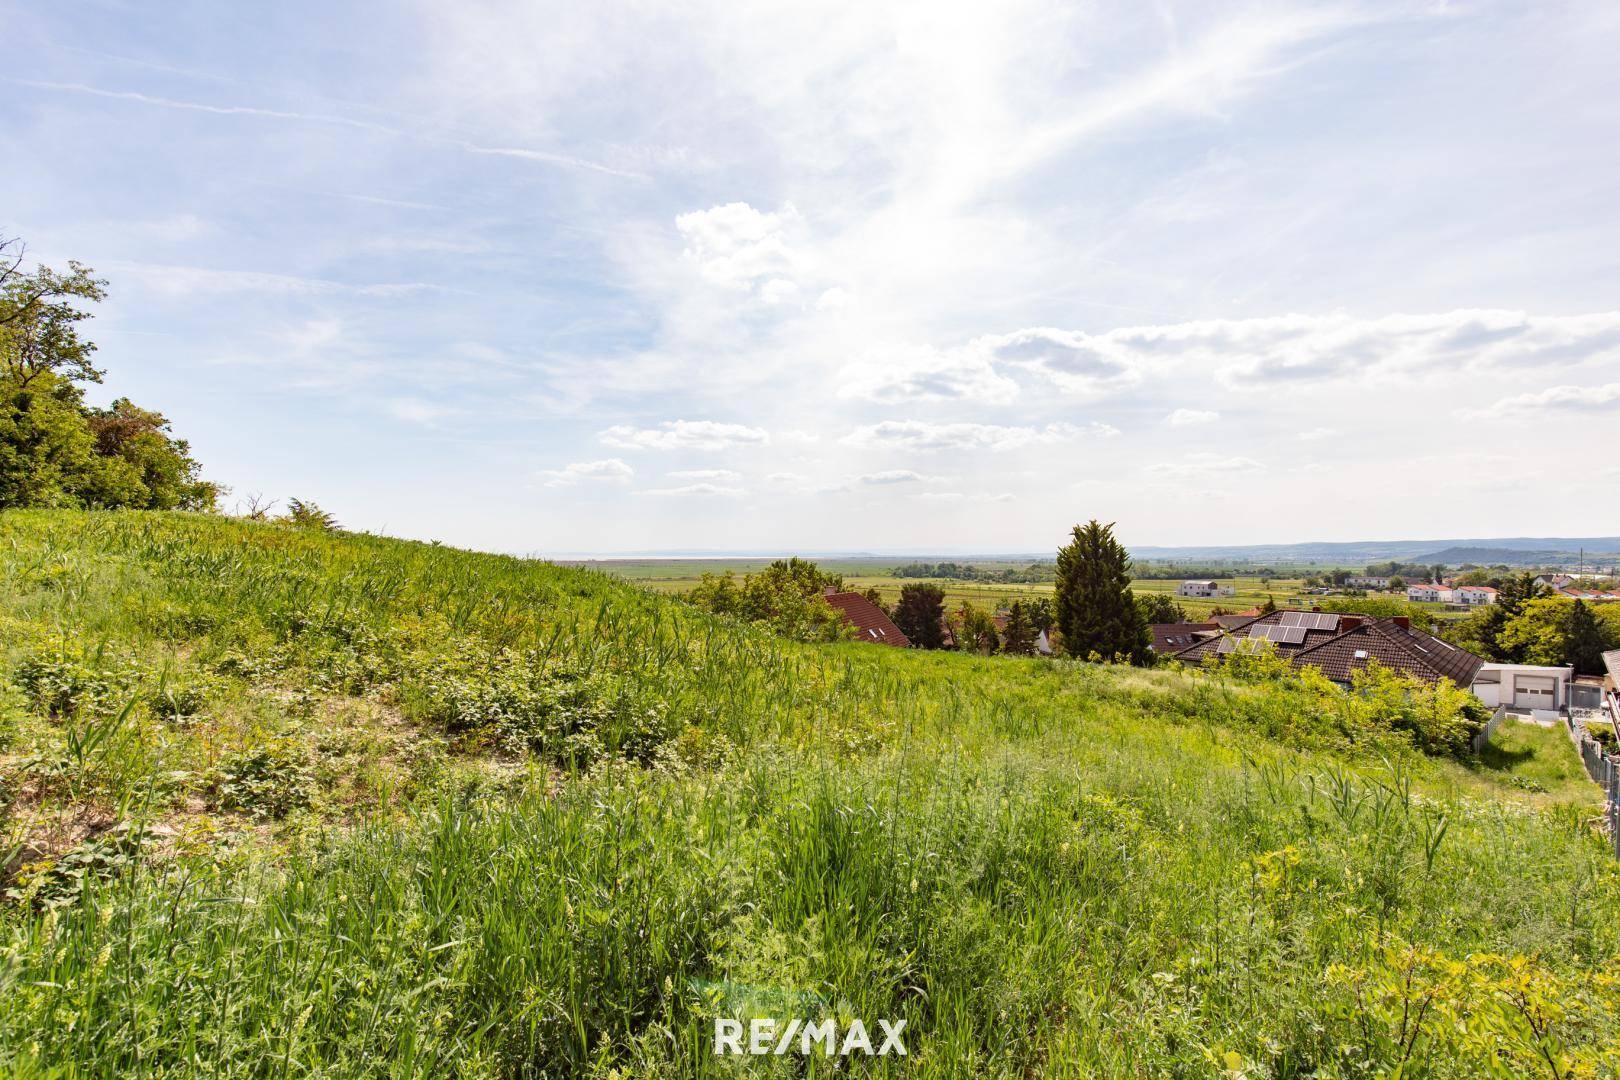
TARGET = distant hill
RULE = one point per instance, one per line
(1351, 553)
(1488, 556)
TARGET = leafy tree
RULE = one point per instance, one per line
(920, 615)
(1017, 633)
(1095, 610)
(1269, 606)
(54, 449)
(306, 515)
(1041, 615)
(1539, 633)
(875, 598)
(1159, 608)
(976, 631)
(788, 596)
(1396, 584)
(1585, 641)
(1437, 574)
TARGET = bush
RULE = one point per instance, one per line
(559, 712)
(267, 783)
(58, 683)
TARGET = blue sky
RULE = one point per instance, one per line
(940, 277)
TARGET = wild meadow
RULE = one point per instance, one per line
(280, 802)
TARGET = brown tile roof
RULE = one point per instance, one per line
(1168, 637)
(1410, 652)
(870, 623)
(1351, 643)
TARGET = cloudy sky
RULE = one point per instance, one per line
(931, 276)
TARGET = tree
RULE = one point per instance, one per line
(1159, 608)
(1017, 633)
(1396, 584)
(1095, 610)
(875, 598)
(788, 596)
(920, 615)
(54, 449)
(976, 631)
(1585, 642)
(306, 515)
(1539, 633)
(1041, 615)
(1437, 574)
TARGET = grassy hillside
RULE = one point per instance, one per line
(283, 802)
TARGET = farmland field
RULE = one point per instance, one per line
(277, 801)
(681, 575)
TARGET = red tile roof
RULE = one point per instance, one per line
(871, 624)
(1168, 637)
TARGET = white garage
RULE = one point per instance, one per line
(1524, 686)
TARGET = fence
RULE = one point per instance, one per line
(1484, 734)
(1603, 770)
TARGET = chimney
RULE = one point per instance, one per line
(830, 590)
(1402, 621)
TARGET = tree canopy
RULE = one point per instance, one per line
(920, 614)
(1096, 613)
(56, 450)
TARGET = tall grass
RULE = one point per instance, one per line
(1043, 867)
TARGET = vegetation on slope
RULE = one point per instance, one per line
(290, 801)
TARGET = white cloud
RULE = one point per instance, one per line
(1316, 434)
(923, 436)
(1191, 417)
(962, 497)
(694, 491)
(705, 474)
(1203, 465)
(924, 374)
(684, 435)
(736, 246)
(1557, 399)
(894, 476)
(1089, 365)
(608, 471)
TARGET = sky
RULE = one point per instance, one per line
(914, 277)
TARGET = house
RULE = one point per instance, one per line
(1475, 595)
(1340, 645)
(1204, 588)
(1370, 581)
(1524, 686)
(1169, 637)
(1611, 682)
(1431, 594)
(870, 622)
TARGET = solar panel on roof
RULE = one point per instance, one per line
(1289, 635)
(1227, 645)
(1291, 618)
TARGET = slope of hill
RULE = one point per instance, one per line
(287, 801)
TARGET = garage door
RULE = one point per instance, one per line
(1530, 692)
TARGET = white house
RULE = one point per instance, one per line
(1475, 595)
(1370, 582)
(1431, 594)
(1204, 588)
(1524, 686)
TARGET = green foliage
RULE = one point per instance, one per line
(54, 450)
(1095, 610)
(976, 631)
(267, 782)
(787, 597)
(1044, 868)
(1159, 608)
(62, 881)
(562, 713)
(306, 515)
(1018, 634)
(920, 615)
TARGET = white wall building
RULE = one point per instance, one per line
(1431, 594)
(1475, 595)
(1524, 686)
(1204, 588)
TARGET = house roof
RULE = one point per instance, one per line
(1611, 662)
(870, 623)
(1410, 652)
(1168, 637)
(1476, 588)
(1349, 643)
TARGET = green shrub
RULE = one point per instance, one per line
(266, 783)
(58, 683)
(59, 882)
(559, 712)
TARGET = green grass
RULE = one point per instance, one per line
(395, 808)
